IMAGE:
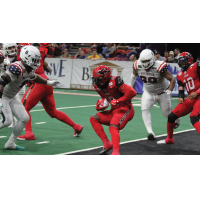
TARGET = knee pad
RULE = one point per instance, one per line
(194, 120)
(25, 118)
(172, 117)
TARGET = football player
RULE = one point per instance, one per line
(154, 75)
(119, 95)
(44, 93)
(189, 78)
(15, 77)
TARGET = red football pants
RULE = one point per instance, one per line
(44, 94)
(119, 117)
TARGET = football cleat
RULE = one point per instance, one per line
(166, 141)
(116, 152)
(176, 126)
(16, 148)
(26, 137)
(151, 136)
(78, 129)
(105, 150)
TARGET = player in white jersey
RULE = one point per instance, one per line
(10, 50)
(154, 75)
(15, 77)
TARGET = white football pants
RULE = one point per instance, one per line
(148, 100)
(16, 107)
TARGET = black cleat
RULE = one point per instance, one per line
(151, 136)
(104, 151)
(176, 126)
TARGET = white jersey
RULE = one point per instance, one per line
(154, 83)
(19, 77)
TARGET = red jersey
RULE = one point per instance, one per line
(40, 69)
(115, 90)
(189, 79)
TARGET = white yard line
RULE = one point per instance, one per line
(122, 143)
(42, 142)
(41, 123)
(3, 136)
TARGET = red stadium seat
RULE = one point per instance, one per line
(119, 52)
(128, 51)
(85, 50)
(110, 59)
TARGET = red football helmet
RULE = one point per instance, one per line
(20, 45)
(185, 59)
(101, 75)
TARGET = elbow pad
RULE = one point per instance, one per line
(4, 81)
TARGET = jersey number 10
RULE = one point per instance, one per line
(189, 84)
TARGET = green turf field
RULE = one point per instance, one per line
(54, 137)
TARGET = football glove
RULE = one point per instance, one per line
(114, 102)
(53, 83)
(102, 104)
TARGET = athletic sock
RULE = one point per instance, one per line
(64, 118)
(115, 138)
(170, 130)
(197, 127)
(28, 124)
(146, 116)
(98, 128)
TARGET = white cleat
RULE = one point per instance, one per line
(11, 126)
(161, 142)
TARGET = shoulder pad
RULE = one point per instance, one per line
(15, 69)
(162, 65)
(119, 81)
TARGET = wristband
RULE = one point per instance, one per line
(198, 91)
(181, 94)
(168, 91)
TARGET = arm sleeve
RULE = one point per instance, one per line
(128, 92)
(132, 80)
(180, 83)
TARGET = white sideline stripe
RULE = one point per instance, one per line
(41, 123)
(3, 136)
(42, 142)
(73, 107)
(123, 142)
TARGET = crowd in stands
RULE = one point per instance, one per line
(109, 51)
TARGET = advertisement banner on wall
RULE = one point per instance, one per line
(76, 73)
(61, 70)
(83, 69)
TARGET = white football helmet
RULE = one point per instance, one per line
(30, 56)
(147, 58)
(10, 49)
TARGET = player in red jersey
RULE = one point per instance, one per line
(36, 93)
(189, 78)
(119, 95)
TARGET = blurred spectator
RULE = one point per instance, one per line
(158, 56)
(101, 57)
(134, 57)
(1, 45)
(108, 51)
(65, 54)
(158, 46)
(176, 53)
(100, 47)
(171, 59)
(79, 53)
(166, 55)
(82, 55)
(127, 46)
(89, 52)
(94, 56)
